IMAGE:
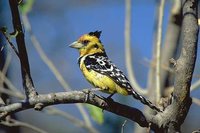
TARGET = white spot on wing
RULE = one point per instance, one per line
(117, 74)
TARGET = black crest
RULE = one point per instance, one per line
(96, 33)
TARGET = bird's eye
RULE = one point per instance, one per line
(85, 42)
(96, 46)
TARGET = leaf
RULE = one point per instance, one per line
(26, 6)
(96, 113)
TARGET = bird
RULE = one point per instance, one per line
(100, 71)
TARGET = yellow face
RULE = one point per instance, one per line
(88, 44)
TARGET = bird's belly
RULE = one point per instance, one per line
(101, 81)
(105, 83)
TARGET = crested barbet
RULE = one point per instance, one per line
(100, 71)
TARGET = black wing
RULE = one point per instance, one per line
(99, 62)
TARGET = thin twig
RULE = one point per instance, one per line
(196, 101)
(123, 125)
(196, 131)
(158, 49)
(12, 93)
(170, 44)
(1, 102)
(13, 123)
(176, 7)
(151, 75)
(52, 67)
(148, 63)
(6, 64)
(2, 76)
(8, 82)
(128, 53)
(42, 54)
(10, 43)
(195, 85)
(72, 119)
(5, 68)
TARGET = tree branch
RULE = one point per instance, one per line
(128, 55)
(72, 119)
(158, 49)
(25, 69)
(171, 43)
(13, 123)
(52, 110)
(41, 101)
(52, 67)
(1, 102)
(196, 101)
(175, 114)
(170, 120)
(195, 85)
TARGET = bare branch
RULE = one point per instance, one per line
(174, 115)
(198, 21)
(42, 101)
(2, 73)
(12, 93)
(128, 55)
(1, 102)
(186, 62)
(8, 82)
(12, 123)
(171, 42)
(123, 125)
(53, 111)
(25, 69)
(196, 131)
(75, 121)
(152, 72)
(52, 67)
(148, 63)
(10, 43)
(158, 49)
(195, 85)
(6, 64)
(43, 56)
(196, 101)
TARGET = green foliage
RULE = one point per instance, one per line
(96, 113)
(26, 6)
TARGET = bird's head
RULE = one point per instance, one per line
(89, 44)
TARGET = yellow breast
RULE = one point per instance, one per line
(105, 83)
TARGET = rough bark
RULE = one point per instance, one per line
(41, 101)
(25, 68)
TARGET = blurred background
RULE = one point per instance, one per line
(56, 24)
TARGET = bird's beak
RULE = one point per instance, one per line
(76, 45)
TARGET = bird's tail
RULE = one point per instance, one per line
(145, 101)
